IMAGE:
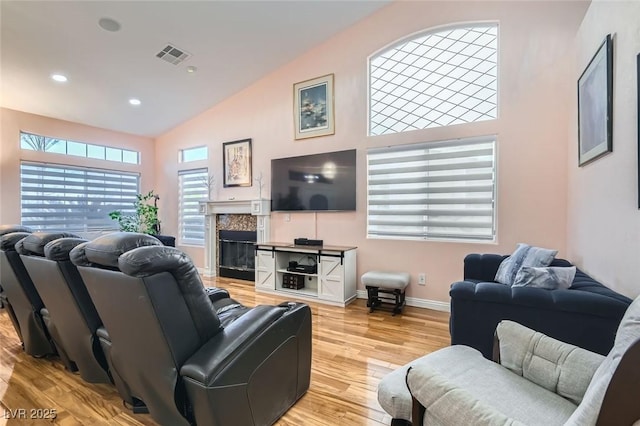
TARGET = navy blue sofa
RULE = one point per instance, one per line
(586, 315)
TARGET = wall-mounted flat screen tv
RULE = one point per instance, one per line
(318, 182)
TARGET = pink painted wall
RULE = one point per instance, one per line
(536, 86)
(603, 233)
(12, 122)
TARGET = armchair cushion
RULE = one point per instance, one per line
(444, 400)
(557, 366)
(458, 386)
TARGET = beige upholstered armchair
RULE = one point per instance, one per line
(535, 380)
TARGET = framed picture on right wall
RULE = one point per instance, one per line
(638, 121)
(595, 105)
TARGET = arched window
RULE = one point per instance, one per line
(437, 78)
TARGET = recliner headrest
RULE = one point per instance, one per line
(59, 249)
(8, 241)
(146, 261)
(105, 250)
(34, 243)
(8, 229)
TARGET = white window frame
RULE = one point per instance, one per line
(49, 145)
(410, 201)
(190, 209)
(182, 152)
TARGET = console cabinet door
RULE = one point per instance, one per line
(265, 270)
(331, 283)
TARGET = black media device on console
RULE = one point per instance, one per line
(305, 269)
(307, 242)
(293, 281)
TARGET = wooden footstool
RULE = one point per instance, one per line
(385, 289)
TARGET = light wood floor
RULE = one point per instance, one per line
(352, 351)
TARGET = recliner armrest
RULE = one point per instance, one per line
(253, 370)
(244, 342)
(557, 366)
(216, 293)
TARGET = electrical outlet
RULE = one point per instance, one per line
(287, 217)
(422, 278)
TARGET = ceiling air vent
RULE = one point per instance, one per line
(172, 54)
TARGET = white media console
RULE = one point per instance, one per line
(333, 281)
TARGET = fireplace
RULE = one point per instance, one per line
(237, 258)
(232, 215)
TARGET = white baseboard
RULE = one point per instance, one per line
(418, 303)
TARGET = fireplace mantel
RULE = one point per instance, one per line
(210, 209)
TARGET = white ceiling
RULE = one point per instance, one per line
(233, 44)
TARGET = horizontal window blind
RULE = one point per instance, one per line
(55, 197)
(438, 190)
(193, 189)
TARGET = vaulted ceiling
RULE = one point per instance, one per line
(230, 43)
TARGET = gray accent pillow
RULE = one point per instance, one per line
(525, 255)
(550, 278)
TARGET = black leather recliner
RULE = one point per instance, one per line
(4, 301)
(46, 258)
(22, 296)
(172, 348)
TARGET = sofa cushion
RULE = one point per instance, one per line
(549, 278)
(524, 255)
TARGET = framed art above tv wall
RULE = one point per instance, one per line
(317, 182)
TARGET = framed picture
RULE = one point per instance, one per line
(595, 105)
(638, 110)
(236, 163)
(313, 107)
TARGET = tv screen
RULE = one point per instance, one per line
(315, 182)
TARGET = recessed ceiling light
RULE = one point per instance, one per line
(59, 78)
(109, 24)
(134, 101)
(191, 69)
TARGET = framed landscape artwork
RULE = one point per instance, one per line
(595, 105)
(313, 107)
(236, 163)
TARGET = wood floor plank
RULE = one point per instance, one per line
(352, 351)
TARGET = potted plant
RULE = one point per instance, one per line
(144, 220)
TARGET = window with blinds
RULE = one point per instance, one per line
(192, 190)
(437, 190)
(64, 198)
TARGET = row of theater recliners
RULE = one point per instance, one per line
(124, 309)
